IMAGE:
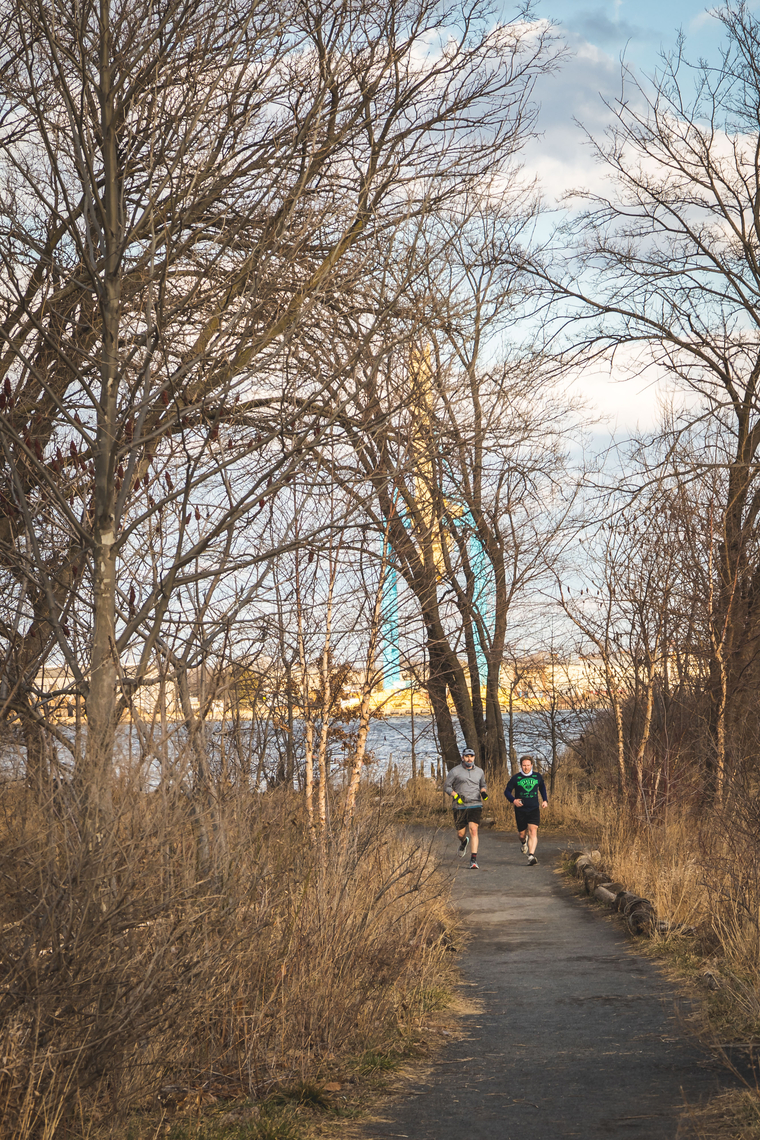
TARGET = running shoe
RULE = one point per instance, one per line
(474, 865)
(524, 846)
(532, 860)
(463, 846)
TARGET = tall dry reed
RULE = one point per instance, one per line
(700, 867)
(123, 972)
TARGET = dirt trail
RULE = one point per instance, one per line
(579, 1036)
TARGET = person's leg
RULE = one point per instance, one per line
(473, 844)
(522, 831)
(532, 838)
(460, 823)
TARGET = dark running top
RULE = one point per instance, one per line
(526, 788)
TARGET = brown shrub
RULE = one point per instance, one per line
(121, 972)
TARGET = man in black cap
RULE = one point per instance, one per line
(466, 784)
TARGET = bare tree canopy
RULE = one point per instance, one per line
(664, 271)
(186, 191)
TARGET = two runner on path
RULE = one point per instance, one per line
(526, 791)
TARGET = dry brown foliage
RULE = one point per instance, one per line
(422, 800)
(123, 973)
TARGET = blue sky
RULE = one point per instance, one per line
(598, 35)
(640, 27)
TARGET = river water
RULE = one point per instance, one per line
(391, 743)
(392, 739)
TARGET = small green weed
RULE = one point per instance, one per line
(372, 1062)
(271, 1125)
(306, 1093)
(432, 999)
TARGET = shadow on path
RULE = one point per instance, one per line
(579, 1036)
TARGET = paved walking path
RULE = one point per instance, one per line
(579, 1036)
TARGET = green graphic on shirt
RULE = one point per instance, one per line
(526, 786)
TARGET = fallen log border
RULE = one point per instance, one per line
(639, 913)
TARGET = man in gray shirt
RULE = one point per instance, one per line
(466, 784)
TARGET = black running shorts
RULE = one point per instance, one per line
(524, 816)
(463, 816)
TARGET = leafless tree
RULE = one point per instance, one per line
(663, 271)
(644, 600)
(458, 458)
(186, 193)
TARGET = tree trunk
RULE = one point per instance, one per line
(102, 699)
(644, 741)
(289, 749)
(553, 731)
(358, 764)
(203, 788)
(309, 779)
(37, 769)
(437, 690)
(511, 726)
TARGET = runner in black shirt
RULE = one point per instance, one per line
(523, 792)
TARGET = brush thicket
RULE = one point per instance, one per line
(199, 943)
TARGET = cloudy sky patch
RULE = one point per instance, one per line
(600, 38)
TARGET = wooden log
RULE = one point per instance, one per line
(488, 822)
(614, 888)
(623, 900)
(604, 895)
(641, 920)
(637, 903)
(594, 879)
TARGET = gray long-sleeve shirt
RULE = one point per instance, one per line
(466, 782)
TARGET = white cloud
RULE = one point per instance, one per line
(561, 156)
(624, 396)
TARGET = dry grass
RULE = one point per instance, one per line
(729, 1116)
(702, 873)
(701, 870)
(129, 984)
(422, 801)
(664, 863)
